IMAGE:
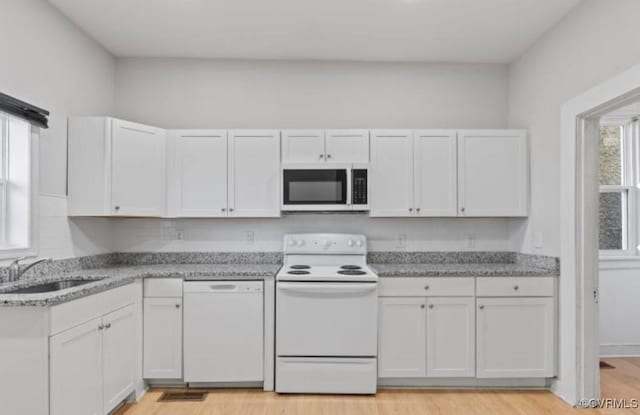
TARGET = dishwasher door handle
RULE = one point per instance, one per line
(340, 288)
(223, 287)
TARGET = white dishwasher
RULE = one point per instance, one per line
(223, 331)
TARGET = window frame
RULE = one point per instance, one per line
(629, 185)
(31, 248)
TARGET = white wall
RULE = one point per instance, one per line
(49, 62)
(597, 40)
(619, 309)
(189, 93)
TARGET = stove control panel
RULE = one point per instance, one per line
(330, 243)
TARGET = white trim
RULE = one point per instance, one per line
(619, 262)
(577, 308)
(619, 350)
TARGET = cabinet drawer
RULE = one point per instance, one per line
(163, 287)
(515, 287)
(431, 287)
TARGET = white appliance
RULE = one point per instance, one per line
(326, 316)
(325, 187)
(223, 331)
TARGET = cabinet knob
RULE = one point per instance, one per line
(515, 287)
(328, 156)
(107, 326)
(417, 209)
(224, 209)
(421, 305)
(177, 305)
(100, 327)
(430, 305)
(230, 209)
(321, 156)
(117, 208)
(426, 287)
(481, 307)
(410, 209)
(462, 210)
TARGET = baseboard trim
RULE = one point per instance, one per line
(619, 350)
(464, 383)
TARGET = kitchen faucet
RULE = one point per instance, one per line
(14, 268)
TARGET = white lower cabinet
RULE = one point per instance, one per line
(516, 337)
(75, 366)
(118, 356)
(402, 337)
(451, 334)
(162, 338)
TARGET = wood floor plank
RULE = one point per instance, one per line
(621, 382)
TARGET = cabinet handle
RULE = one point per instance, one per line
(107, 326)
(100, 327)
(430, 305)
(426, 287)
(421, 305)
(321, 156)
(481, 307)
(515, 287)
(177, 305)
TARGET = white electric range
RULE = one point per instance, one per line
(326, 316)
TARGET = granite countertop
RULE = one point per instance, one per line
(115, 276)
(462, 270)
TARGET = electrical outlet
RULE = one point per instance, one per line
(250, 237)
(180, 234)
(470, 241)
(538, 240)
(402, 240)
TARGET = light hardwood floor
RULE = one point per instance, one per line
(621, 382)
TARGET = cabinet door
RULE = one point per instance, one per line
(451, 338)
(76, 370)
(162, 338)
(391, 173)
(254, 173)
(303, 146)
(347, 146)
(515, 337)
(435, 173)
(118, 356)
(137, 170)
(200, 175)
(493, 173)
(401, 337)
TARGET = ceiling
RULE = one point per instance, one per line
(491, 31)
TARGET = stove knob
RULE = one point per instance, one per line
(292, 242)
(301, 242)
(350, 243)
(326, 244)
(359, 243)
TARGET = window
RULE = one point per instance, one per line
(618, 190)
(15, 187)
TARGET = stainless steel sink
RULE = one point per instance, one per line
(49, 286)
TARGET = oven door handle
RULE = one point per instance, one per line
(316, 288)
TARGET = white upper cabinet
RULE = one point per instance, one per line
(254, 173)
(115, 168)
(347, 146)
(391, 173)
(303, 146)
(435, 173)
(331, 146)
(198, 173)
(493, 175)
(137, 169)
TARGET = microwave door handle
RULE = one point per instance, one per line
(349, 187)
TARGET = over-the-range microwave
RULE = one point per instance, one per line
(325, 187)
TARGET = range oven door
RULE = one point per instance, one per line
(314, 188)
(326, 319)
